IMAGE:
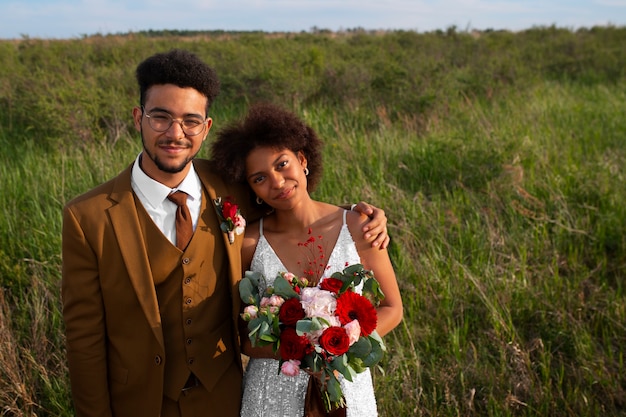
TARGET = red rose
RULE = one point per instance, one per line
(229, 210)
(335, 340)
(290, 312)
(353, 306)
(292, 346)
(331, 284)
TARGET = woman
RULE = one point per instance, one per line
(279, 157)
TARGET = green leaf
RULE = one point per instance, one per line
(248, 291)
(361, 348)
(333, 387)
(255, 277)
(374, 336)
(303, 326)
(268, 338)
(377, 353)
(319, 323)
(314, 362)
(255, 324)
(354, 269)
(357, 365)
(372, 287)
(283, 288)
(340, 363)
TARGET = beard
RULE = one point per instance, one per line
(170, 169)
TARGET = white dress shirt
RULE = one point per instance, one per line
(153, 196)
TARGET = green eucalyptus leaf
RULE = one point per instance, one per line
(248, 291)
(319, 323)
(255, 277)
(357, 365)
(361, 348)
(375, 337)
(340, 364)
(375, 355)
(284, 289)
(303, 326)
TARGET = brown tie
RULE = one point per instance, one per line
(184, 226)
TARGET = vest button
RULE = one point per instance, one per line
(186, 261)
(187, 301)
(189, 341)
(190, 361)
(157, 360)
(187, 280)
(188, 322)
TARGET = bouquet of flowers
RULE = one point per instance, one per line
(325, 330)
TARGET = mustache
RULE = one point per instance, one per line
(180, 143)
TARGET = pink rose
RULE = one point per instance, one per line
(240, 224)
(273, 309)
(354, 331)
(288, 276)
(250, 312)
(276, 300)
(291, 367)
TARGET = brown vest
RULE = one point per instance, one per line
(194, 301)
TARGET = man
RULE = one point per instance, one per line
(151, 317)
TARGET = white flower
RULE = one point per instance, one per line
(318, 303)
(322, 304)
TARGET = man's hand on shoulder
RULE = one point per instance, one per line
(376, 228)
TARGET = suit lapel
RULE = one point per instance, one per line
(133, 249)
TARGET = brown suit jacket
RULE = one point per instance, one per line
(114, 336)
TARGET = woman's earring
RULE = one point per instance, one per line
(306, 171)
(259, 201)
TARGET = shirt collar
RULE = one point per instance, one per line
(156, 193)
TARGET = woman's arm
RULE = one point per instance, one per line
(390, 310)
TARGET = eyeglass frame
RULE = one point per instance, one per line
(144, 112)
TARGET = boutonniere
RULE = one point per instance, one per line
(232, 222)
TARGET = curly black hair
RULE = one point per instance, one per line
(265, 125)
(181, 68)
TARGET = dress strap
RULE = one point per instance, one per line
(261, 226)
(344, 216)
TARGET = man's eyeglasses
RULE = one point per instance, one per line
(161, 121)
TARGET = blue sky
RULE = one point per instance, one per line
(76, 18)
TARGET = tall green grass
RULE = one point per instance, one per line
(505, 203)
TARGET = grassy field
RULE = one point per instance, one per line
(499, 158)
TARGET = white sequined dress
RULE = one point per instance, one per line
(269, 393)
